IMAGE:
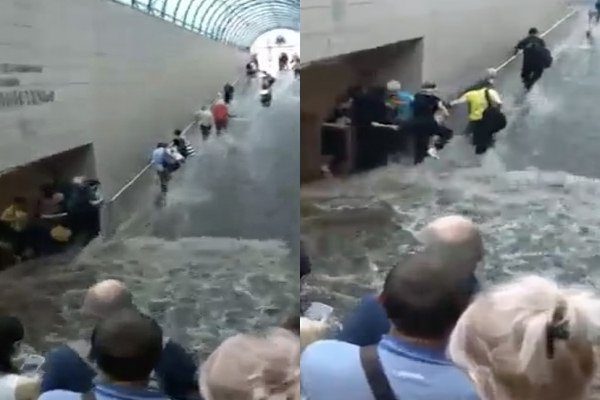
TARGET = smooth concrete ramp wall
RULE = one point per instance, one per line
(461, 37)
(94, 71)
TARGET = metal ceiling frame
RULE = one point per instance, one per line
(280, 11)
(237, 22)
(242, 33)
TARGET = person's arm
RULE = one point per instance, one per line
(443, 109)
(177, 372)
(521, 45)
(53, 377)
(495, 97)
(365, 324)
(461, 100)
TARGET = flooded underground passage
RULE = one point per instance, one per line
(368, 206)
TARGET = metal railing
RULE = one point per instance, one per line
(135, 196)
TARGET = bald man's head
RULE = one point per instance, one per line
(454, 238)
(106, 298)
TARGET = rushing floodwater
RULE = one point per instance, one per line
(534, 196)
(220, 258)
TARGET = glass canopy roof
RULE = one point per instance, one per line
(237, 22)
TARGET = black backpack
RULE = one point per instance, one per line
(493, 118)
(545, 56)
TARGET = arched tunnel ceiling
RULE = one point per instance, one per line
(237, 22)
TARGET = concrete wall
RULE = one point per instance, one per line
(461, 37)
(105, 74)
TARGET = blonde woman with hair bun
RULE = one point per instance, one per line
(529, 339)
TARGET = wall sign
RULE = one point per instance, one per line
(10, 94)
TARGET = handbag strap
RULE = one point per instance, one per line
(489, 99)
(378, 381)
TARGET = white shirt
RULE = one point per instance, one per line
(8, 386)
(205, 118)
(174, 154)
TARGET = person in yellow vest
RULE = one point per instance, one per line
(15, 215)
(478, 101)
(14, 220)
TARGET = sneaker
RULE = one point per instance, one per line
(433, 153)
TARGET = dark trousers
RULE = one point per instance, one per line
(20, 241)
(421, 131)
(482, 138)
(163, 178)
(205, 131)
(220, 125)
(530, 76)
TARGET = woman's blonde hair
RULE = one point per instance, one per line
(253, 367)
(529, 339)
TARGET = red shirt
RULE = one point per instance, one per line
(220, 112)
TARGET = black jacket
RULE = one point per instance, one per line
(532, 57)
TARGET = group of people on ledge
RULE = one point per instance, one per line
(62, 215)
(435, 331)
(378, 114)
(126, 356)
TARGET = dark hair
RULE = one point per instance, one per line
(292, 323)
(177, 132)
(422, 304)
(127, 346)
(11, 332)
(305, 263)
(161, 144)
(47, 190)
(533, 31)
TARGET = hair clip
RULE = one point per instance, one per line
(555, 332)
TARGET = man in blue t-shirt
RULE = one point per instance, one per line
(127, 347)
(405, 105)
(402, 101)
(423, 299)
(72, 366)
